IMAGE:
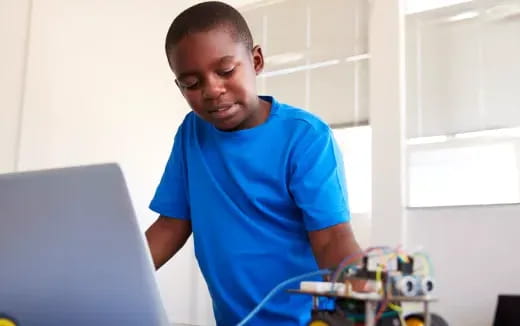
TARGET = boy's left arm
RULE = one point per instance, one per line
(318, 187)
(331, 245)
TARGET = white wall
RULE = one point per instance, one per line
(13, 35)
(474, 251)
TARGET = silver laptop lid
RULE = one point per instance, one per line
(71, 252)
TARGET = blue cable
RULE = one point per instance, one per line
(278, 288)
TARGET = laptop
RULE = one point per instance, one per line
(71, 251)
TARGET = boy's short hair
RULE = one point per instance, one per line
(206, 16)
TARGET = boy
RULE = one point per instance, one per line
(259, 183)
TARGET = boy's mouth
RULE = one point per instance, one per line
(221, 107)
(224, 111)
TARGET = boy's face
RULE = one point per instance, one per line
(217, 76)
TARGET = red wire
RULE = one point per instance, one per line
(384, 304)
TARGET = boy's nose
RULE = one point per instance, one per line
(213, 88)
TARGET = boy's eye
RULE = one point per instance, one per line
(189, 84)
(226, 72)
(192, 86)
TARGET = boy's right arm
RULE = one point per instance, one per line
(165, 237)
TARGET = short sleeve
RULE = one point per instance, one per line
(317, 180)
(171, 196)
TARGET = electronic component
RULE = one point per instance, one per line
(323, 287)
(405, 286)
(393, 278)
(426, 285)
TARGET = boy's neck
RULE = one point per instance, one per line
(261, 112)
(259, 115)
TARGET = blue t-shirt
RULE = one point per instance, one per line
(252, 196)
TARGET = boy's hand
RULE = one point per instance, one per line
(362, 286)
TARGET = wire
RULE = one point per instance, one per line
(386, 252)
(382, 309)
(341, 267)
(278, 288)
(383, 293)
(379, 280)
(403, 322)
(378, 277)
(344, 264)
(346, 261)
(427, 263)
(361, 317)
(395, 307)
(332, 284)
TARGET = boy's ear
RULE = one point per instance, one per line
(258, 59)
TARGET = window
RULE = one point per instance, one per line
(479, 171)
(463, 104)
(319, 61)
(356, 147)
